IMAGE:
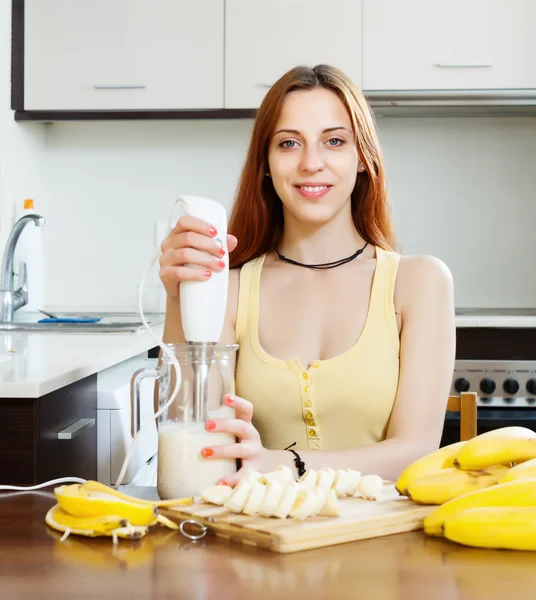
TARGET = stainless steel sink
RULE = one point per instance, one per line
(111, 322)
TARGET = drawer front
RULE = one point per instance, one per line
(67, 432)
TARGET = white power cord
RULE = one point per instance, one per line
(148, 420)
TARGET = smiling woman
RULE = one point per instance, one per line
(346, 347)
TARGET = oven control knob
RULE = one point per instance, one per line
(510, 386)
(462, 385)
(531, 386)
(487, 385)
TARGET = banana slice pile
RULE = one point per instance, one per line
(277, 494)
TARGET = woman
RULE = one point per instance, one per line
(346, 347)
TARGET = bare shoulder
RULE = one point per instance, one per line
(422, 279)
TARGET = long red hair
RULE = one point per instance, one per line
(257, 216)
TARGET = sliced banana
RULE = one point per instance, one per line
(308, 479)
(290, 493)
(326, 477)
(353, 481)
(320, 499)
(331, 507)
(284, 473)
(271, 499)
(340, 483)
(252, 477)
(216, 494)
(237, 501)
(305, 504)
(256, 496)
(370, 486)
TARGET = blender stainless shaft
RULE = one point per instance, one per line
(203, 355)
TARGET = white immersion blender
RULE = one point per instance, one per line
(203, 303)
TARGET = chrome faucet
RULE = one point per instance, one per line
(10, 299)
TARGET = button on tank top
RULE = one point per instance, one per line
(338, 403)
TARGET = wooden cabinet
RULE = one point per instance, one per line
(123, 54)
(460, 44)
(265, 38)
(49, 437)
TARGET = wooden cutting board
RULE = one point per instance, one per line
(360, 519)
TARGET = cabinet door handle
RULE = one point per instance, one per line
(75, 429)
(463, 65)
(119, 86)
(266, 85)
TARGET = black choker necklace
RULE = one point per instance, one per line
(322, 266)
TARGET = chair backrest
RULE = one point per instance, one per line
(465, 404)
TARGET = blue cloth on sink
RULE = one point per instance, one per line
(70, 320)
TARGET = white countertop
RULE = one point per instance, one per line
(504, 321)
(34, 364)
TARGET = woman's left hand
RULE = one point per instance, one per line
(248, 449)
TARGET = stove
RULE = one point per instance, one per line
(498, 383)
(496, 358)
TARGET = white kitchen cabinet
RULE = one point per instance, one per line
(123, 54)
(265, 38)
(446, 45)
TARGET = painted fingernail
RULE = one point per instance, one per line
(221, 264)
(213, 231)
(210, 425)
(207, 452)
(229, 400)
(221, 482)
(208, 273)
(221, 251)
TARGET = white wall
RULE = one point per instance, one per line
(462, 189)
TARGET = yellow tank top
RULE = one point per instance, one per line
(338, 403)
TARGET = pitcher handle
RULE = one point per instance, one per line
(135, 395)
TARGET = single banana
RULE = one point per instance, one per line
(438, 459)
(256, 496)
(446, 484)
(353, 481)
(521, 492)
(340, 483)
(216, 494)
(486, 452)
(96, 486)
(502, 527)
(111, 525)
(325, 479)
(271, 499)
(288, 498)
(305, 505)
(237, 500)
(331, 507)
(524, 470)
(80, 504)
(370, 487)
(308, 479)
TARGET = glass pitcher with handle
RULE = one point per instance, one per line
(207, 376)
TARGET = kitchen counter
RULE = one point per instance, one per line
(35, 364)
(35, 564)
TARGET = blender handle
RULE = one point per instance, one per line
(135, 396)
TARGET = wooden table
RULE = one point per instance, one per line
(35, 564)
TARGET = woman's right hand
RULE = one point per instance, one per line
(192, 242)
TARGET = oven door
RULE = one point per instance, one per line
(489, 418)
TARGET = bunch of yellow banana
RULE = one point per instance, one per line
(94, 509)
(463, 467)
(487, 490)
